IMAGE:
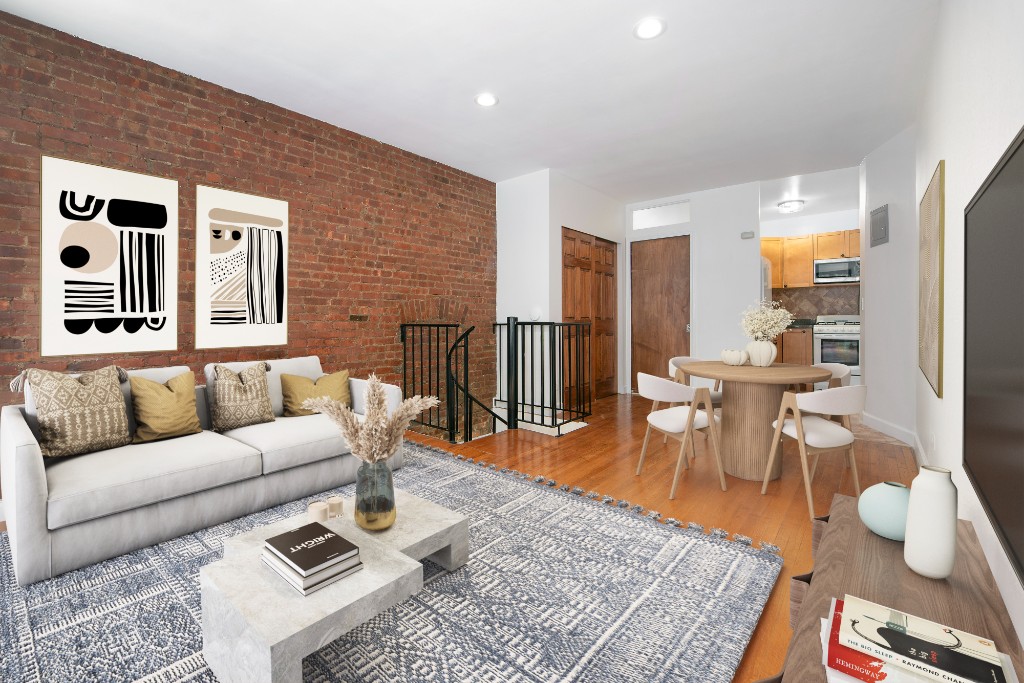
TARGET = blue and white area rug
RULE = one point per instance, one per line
(561, 585)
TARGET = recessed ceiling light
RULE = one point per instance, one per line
(791, 206)
(486, 99)
(650, 27)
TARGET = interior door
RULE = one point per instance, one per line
(660, 304)
(588, 295)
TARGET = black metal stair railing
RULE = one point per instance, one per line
(543, 374)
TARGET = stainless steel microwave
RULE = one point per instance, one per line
(833, 270)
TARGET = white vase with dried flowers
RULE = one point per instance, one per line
(373, 441)
(762, 323)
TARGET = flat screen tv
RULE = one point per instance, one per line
(994, 348)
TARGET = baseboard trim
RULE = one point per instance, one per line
(888, 428)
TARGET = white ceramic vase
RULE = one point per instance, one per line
(930, 547)
(883, 509)
(762, 353)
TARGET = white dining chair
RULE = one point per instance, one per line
(815, 434)
(679, 422)
(675, 368)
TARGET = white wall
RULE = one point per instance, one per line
(581, 208)
(799, 224)
(973, 108)
(725, 270)
(889, 291)
(524, 247)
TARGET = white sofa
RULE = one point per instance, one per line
(66, 513)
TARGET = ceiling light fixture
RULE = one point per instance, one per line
(791, 206)
(650, 27)
(486, 99)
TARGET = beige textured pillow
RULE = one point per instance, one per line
(297, 389)
(163, 411)
(79, 414)
(241, 399)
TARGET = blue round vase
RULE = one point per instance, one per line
(883, 509)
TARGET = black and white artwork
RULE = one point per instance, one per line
(241, 269)
(109, 260)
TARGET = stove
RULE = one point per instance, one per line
(837, 324)
(837, 340)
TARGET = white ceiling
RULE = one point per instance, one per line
(824, 192)
(734, 91)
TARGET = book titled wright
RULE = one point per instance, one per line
(311, 548)
(319, 580)
(934, 651)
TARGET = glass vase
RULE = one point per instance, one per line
(375, 496)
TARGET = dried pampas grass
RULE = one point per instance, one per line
(377, 437)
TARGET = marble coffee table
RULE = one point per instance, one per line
(257, 628)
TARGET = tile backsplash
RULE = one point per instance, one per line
(808, 302)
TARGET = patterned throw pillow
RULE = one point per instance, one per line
(163, 411)
(79, 414)
(241, 399)
(297, 389)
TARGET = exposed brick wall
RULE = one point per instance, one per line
(371, 226)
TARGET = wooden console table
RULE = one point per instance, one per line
(851, 559)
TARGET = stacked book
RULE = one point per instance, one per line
(311, 557)
(862, 641)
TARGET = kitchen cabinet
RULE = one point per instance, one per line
(837, 244)
(853, 243)
(797, 346)
(771, 249)
(798, 261)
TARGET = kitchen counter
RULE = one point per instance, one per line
(800, 323)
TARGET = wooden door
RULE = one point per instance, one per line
(798, 262)
(771, 249)
(660, 305)
(588, 295)
(830, 244)
(605, 320)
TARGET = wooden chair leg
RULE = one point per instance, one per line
(776, 442)
(853, 470)
(691, 447)
(718, 456)
(643, 451)
(814, 465)
(807, 478)
(680, 461)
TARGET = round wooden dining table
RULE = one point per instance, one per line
(751, 397)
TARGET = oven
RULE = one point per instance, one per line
(838, 347)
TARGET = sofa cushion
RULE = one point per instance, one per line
(119, 479)
(305, 366)
(293, 441)
(241, 399)
(78, 414)
(297, 389)
(158, 375)
(164, 410)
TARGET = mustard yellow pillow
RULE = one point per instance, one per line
(297, 389)
(165, 410)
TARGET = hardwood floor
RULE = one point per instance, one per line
(603, 456)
